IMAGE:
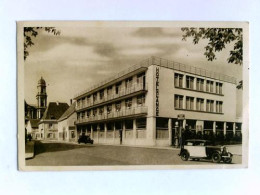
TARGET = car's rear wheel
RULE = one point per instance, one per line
(216, 157)
(185, 156)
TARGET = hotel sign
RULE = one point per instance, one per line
(157, 92)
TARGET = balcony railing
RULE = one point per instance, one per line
(121, 113)
(163, 63)
(125, 91)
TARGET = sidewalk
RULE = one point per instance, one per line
(235, 149)
(29, 149)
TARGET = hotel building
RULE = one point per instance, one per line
(141, 105)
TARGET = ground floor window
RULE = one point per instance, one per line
(208, 125)
(72, 134)
(141, 123)
(118, 125)
(219, 126)
(162, 128)
(191, 125)
(129, 124)
(110, 126)
(101, 127)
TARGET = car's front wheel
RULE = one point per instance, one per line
(216, 157)
(185, 155)
(227, 160)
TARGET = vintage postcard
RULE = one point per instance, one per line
(132, 95)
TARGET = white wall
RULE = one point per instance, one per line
(167, 92)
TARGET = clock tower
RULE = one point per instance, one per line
(41, 98)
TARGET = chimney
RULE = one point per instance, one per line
(70, 101)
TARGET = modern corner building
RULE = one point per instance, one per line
(140, 106)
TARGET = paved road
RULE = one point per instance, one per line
(66, 154)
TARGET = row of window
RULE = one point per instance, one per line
(118, 86)
(199, 105)
(200, 84)
(118, 125)
(118, 106)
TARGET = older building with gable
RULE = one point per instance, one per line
(48, 125)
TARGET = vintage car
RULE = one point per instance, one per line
(197, 149)
(85, 139)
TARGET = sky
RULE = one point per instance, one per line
(83, 56)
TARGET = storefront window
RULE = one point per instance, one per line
(141, 123)
(129, 124)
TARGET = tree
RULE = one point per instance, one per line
(30, 32)
(218, 39)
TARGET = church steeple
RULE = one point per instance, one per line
(41, 98)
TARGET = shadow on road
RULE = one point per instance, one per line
(41, 147)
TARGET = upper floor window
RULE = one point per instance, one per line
(209, 86)
(128, 103)
(128, 82)
(200, 104)
(219, 106)
(83, 115)
(109, 90)
(101, 110)
(118, 106)
(88, 113)
(189, 82)
(189, 103)
(141, 78)
(94, 97)
(78, 115)
(178, 101)
(101, 94)
(210, 106)
(109, 108)
(178, 80)
(118, 87)
(94, 112)
(140, 100)
(50, 125)
(200, 84)
(78, 102)
(83, 101)
(88, 99)
(219, 88)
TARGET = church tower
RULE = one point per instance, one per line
(41, 98)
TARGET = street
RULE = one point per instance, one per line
(70, 154)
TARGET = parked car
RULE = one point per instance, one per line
(197, 149)
(85, 139)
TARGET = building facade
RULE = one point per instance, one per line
(144, 104)
(66, 125)
(48, 125)
(32, 129)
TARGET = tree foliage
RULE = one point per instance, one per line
(218, 39)
(30, 32)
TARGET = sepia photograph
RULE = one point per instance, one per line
(132, 95)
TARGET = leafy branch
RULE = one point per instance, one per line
(30, 32)
(218, 38)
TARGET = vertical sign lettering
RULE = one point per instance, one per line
(157, 92)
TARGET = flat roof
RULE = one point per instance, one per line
(159, 62)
